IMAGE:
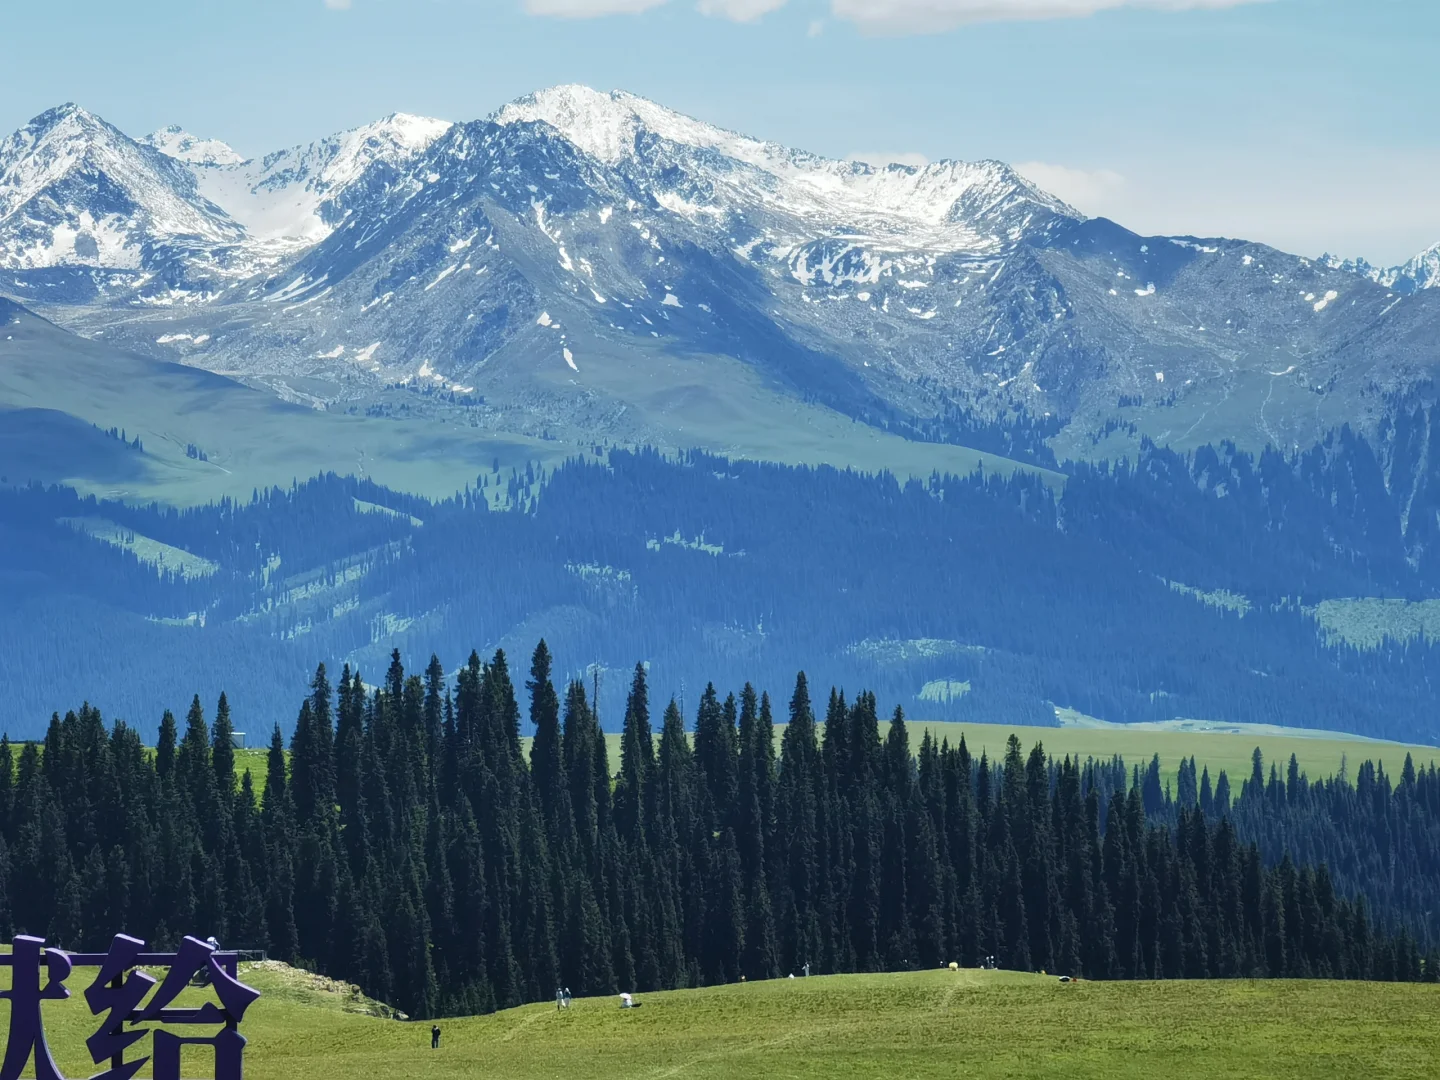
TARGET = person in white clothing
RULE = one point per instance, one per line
(625, 1001)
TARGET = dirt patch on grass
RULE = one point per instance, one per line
(280, 979)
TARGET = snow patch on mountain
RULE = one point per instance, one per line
(291, 196)
(175, 142)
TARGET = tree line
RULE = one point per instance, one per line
(408, 843)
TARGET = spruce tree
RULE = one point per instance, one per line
(222, 755)
(637, 760)
(717, 756)
(801, 791)
(165, 748)
(547, 765)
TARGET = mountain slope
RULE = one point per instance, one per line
(61, 393)
(1130, 596)
(202, 436)
(297, 195)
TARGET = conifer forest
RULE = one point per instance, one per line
(461, 845)
(1178, 585)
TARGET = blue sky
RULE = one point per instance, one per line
(1310, 124)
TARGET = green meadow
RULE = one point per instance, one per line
(917, 1024)
(1320, 754)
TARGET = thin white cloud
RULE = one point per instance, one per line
(881, 16)
(1278, 197)
(1293, 199)
(880, 160)
(929, 16)
(1092, 191)
(589, 9)
(338, 5)
(739, 10)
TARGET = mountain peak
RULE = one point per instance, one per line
(174, 141)
(606, 125)
(60, 113)
(74, 190)
(611, 127)
(64, 123)
(1423, 269)
(603, 125)
(411, 131)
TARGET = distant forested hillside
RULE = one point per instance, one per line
(1171, 586)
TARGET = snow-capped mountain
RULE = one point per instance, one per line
(76, 191)
(594, 264)
(1421, 272)
(574, 223)
(172, 217)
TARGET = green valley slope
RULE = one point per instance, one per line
(57, 389)
(60, 392)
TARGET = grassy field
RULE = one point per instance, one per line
(253, 758)
(923, 1024)
(163, 557)
(1320, 754)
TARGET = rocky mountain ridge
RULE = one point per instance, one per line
(585, 264)
(172, 218)
(1421, 272)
